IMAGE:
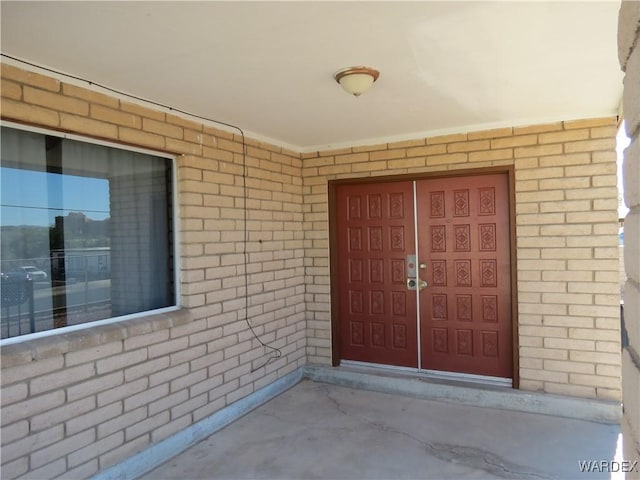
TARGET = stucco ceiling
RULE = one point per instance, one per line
(268, 67)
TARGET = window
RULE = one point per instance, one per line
(86, 232)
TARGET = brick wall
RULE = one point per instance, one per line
(567, 247)
(629, 55)
(85, 400)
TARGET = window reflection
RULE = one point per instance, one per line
(85, 233)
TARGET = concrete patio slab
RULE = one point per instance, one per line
(319, 430)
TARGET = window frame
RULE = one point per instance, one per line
(175, 240)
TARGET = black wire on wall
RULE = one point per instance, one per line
(275, 352)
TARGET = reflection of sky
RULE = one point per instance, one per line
(47, 195)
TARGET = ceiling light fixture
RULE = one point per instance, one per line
(356, 80)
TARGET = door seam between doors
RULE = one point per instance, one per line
(415, 233)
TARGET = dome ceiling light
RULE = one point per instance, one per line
(356, 80)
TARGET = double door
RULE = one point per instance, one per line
(423, 274)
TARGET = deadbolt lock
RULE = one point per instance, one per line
(416, 284)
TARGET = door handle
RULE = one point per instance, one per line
(414, 282)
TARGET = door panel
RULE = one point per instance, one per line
(464, 256)
(375, 229)
(464, 242)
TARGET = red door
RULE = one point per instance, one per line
(464, 244)
(375, 227)
(464, 256)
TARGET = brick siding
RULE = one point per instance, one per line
(82, 401)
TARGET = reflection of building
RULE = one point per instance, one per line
(78, 224)
(74, 223)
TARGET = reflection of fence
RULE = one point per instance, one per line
(63, 265)
(17, 289)
(68, 288)
(53, 307)
(80, 263)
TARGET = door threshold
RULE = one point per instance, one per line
(408, 382)
(435, 375)
(469, 377)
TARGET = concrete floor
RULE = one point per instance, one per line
(316, 430)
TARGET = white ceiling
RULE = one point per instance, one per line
(268, 66)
